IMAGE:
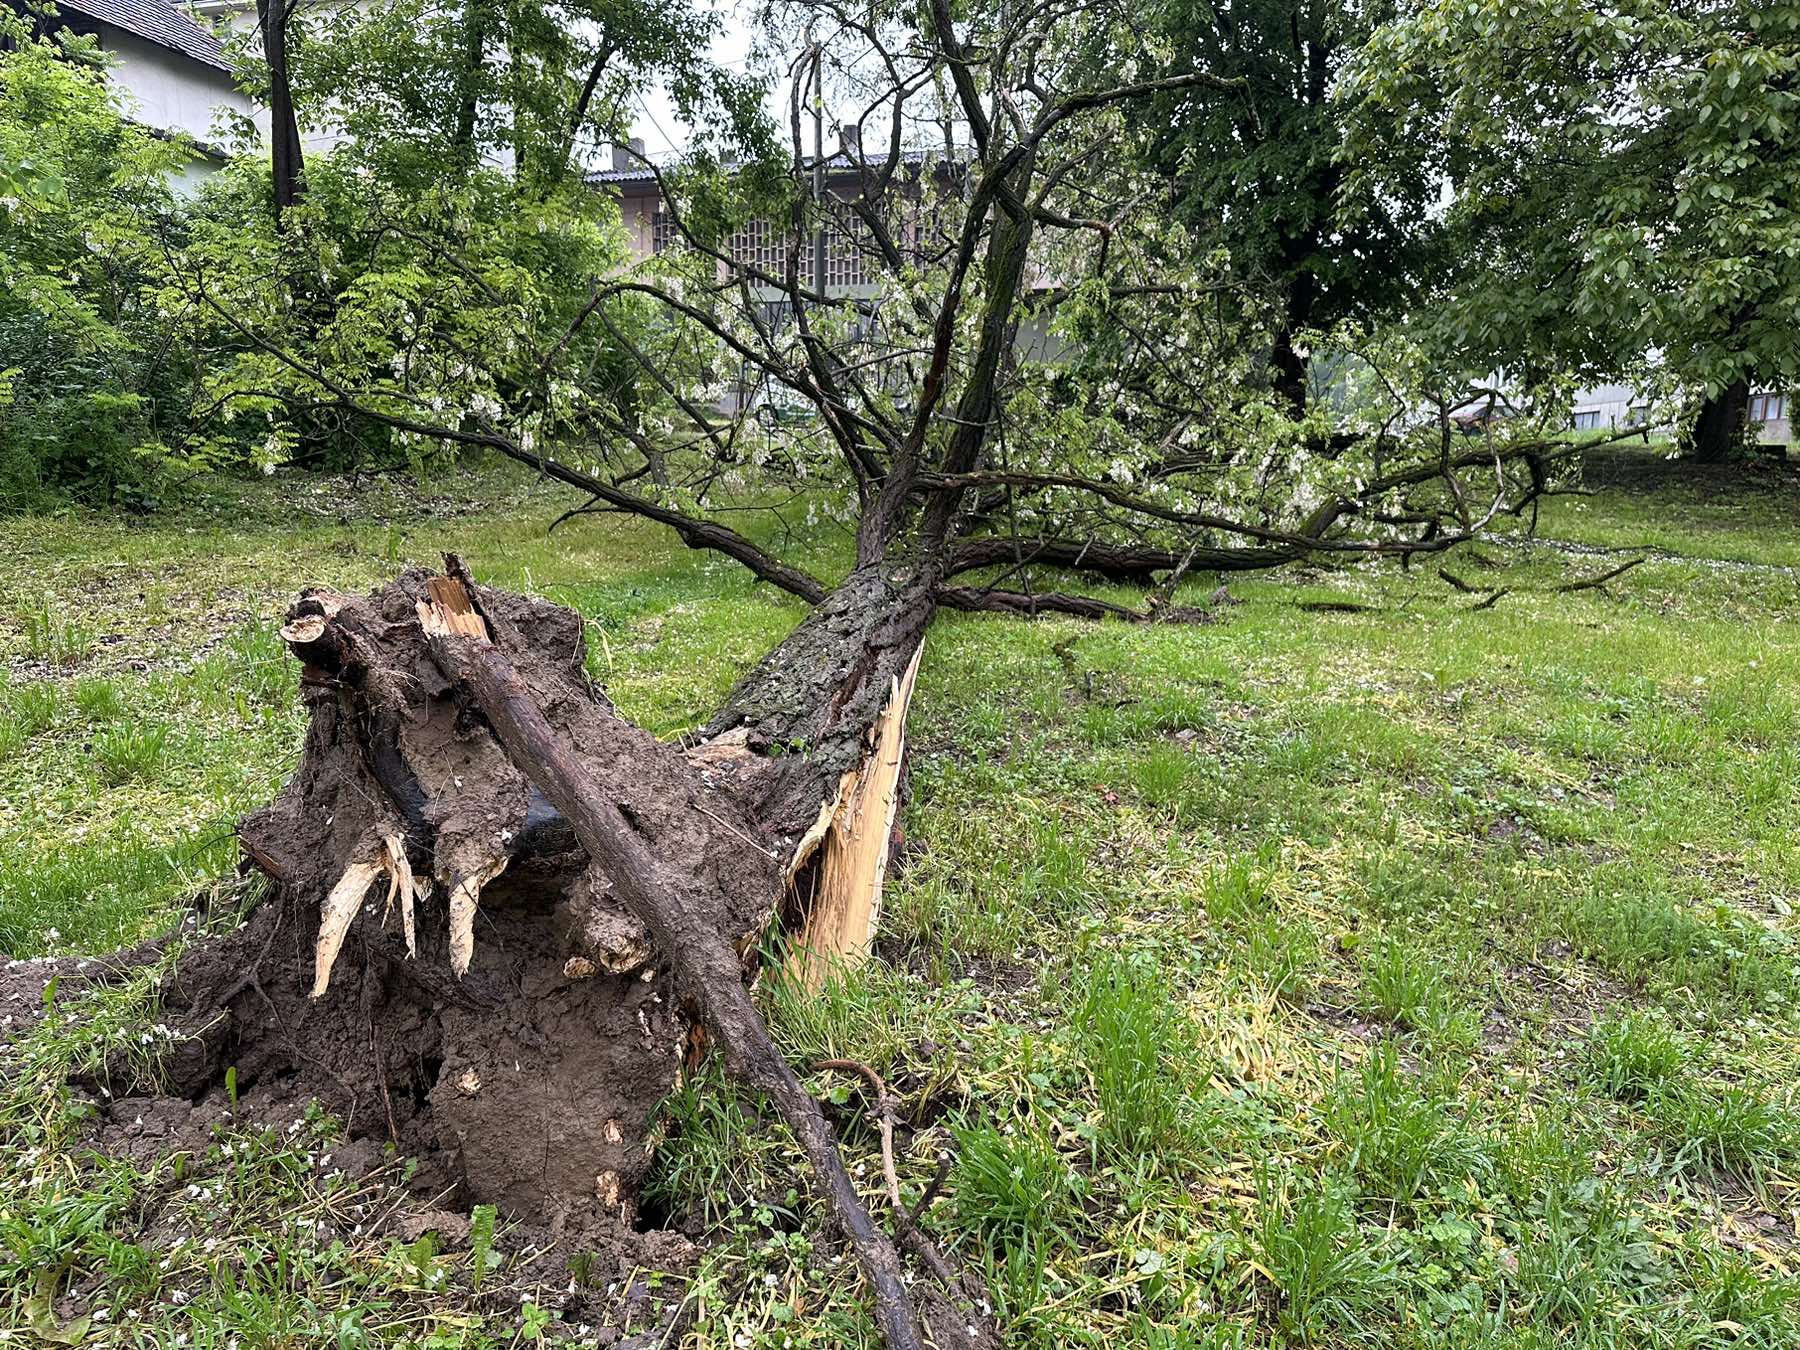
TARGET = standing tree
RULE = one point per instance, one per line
(287, 159)
(1256, 168)
(1619, 177)
(601, 889)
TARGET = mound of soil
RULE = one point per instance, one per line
(483, 1003)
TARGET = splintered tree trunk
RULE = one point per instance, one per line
(505, 917)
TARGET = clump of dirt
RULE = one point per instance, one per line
(440, 966)
(518, 1085)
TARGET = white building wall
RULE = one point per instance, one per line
(168, 90)
(1606, 407)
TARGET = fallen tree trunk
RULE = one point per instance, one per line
(505, 917)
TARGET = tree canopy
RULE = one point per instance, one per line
(1257, 170)
(1425, 194)
(1619, 182)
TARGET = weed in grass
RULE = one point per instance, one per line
(1136, 1044)
(1327, 1272)
(1633, 1054)
(1160, 776)
(1759, 1306)
(1306, 755)
(251, 673)
(1404, 1141)
(709, 1163)
(1369, 737)
(1104, 724)
(12, 734)
(1398, 984)
(482, 1256)
(46, 1235)
(1586, 1265)
(865, 1011)
(1235, 892)
(33, 706)
(1724, 1129)
(1670, 738)
(1282, 955)
(1189, 1336)
(1014, 1186)
(1399, 885)
(99, 700)
(53, 638)
(1655, 939)
(134, 750)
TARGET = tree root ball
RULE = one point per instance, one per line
(483, 1004)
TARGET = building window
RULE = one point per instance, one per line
(662, 230)
(1637, 415)
(1768, 407)
(761, 245)
(1587, 420)
(845, 244)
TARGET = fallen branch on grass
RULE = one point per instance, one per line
(1492, 595)
(1599, 582)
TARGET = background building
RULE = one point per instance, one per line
(172, 70)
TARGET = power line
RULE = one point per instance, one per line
(660, 129)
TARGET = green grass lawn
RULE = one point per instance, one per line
(1402, 973)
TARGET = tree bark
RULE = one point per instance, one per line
(678, 905)
(810, 702)
(287, 161)
(468, 84)
(1719, 429)
(1288, 373)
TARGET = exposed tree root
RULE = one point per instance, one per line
(599, 892)
(678, 909)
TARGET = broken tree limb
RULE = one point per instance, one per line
(1599, 582)
(674, 904)
(1494, 594)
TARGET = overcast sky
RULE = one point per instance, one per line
(656, 123)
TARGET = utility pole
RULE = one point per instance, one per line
(818, 184)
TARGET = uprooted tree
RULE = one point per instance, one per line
(506, 917)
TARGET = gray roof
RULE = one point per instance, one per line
(157, 21)
(838, 162)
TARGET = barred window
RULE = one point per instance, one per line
(759, 244)
(662, 230)
(846, 243)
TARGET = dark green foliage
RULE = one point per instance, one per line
(1258, 171)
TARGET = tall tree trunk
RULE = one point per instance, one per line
(287, 160)
(1288, 373)
(1719, 429)
(476, 26)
